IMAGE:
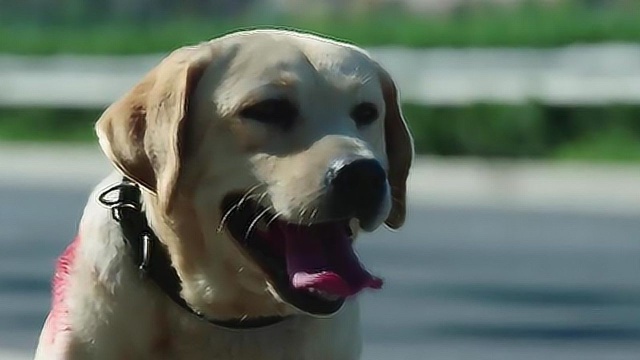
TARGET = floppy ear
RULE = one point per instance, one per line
(142, 132)
(399, 148)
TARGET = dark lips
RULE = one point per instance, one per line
(313, 267)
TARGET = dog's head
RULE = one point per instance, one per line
(264, 151)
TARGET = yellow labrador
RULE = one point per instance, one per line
(246, 167)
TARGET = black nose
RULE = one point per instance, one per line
(356, 188)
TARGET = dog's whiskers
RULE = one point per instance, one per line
(264, 193)
(225, 217)
(314, 213)
(273, 218)
(247, 196)
(255, 221)
(301, 215)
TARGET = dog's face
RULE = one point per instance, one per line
(282, 143)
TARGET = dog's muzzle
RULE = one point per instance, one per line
(356, 188)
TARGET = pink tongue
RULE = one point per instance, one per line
(320, 257)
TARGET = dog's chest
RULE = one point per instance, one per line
(337, 338)
(295, 341)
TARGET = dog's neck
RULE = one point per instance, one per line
(217, 279)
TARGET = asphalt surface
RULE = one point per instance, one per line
(461, 282)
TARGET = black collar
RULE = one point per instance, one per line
(151, 256)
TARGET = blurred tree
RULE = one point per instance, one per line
(79, 12)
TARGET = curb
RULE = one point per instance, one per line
(528, 185)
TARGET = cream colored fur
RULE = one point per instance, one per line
(178, 134)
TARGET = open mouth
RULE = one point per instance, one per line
(312, 267)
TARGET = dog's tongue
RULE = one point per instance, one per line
(321, 258)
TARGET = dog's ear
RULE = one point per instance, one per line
(142, 132)
(399, 149)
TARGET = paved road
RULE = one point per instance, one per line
(462, 283)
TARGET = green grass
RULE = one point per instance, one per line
(47, 125)
(603, 133)
(598, 133)
(529, 26)
(612, 145)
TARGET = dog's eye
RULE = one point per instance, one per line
(364, 114)
(272, 111)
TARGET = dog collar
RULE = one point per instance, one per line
(151, 257)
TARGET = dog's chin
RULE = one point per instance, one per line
(312, 267)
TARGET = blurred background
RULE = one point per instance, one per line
(523, 236)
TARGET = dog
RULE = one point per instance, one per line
(244, 168)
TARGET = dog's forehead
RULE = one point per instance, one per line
(279, 57)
